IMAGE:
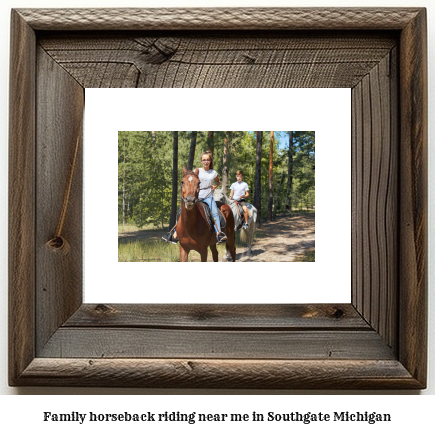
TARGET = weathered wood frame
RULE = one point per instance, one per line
(377, 341)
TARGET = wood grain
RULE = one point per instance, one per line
(21, 196)
(220, 317)
(413, 188)
(59, 279)
(375, 197)
(220, 18)
(228, 374)
(236, 60)
(392, 298)
(127, 342)
(377, 342)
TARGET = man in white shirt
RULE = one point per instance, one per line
(240, 191)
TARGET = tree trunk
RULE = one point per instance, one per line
(140, 198)
(290, 172)
(163, 206)
(153, 139)
(277, 194)
(193, 136)
(123, 189)
(270, 207)
(257, 191)
(210, 142)
(224, 165)
(174, 182)
(123, 197)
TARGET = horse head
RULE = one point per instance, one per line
(190, 187)
(219, 196)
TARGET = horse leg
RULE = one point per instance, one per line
(184, 253)
(230, 255)
(203, 254)
(233, 251)
(229, 231)
(214, 253)
(227, 253)
(231, 245)
(229, 242)
(250, 237)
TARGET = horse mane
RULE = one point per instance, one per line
(226, 199)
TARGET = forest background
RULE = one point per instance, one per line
(278, 166)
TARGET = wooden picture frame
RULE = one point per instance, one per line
(376, 342)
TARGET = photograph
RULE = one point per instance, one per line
(239, 195)
(86, 85)
(179, 195)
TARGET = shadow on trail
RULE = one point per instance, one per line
(245, 256)
(279, 249)
(285, 237)
(141, 235)
(288, 227)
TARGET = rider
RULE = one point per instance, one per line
(206, 176)
(240, 191)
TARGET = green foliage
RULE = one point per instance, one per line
(304, 161)
(145, 170)
(307, 256)
(144, 186)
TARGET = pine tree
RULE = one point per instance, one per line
(210, 141)
(290, 171)
(193, 136)
(278, 193)
(257, 193)
(269, 209)
(224, 165)
(174, 180)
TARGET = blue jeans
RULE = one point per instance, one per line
(214, 210)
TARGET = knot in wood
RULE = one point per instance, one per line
(338, 313)
(58, 244)
(249, 59)
(158, 52)
(103, 309)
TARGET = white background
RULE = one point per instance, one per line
(412, 413)
(325, 111)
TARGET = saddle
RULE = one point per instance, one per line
(209, 216)
(236, 208)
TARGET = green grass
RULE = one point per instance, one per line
(127, 228)
(159, 251)
(156, 251)
(308, 256)
(130, 227)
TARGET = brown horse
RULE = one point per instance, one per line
(193, 231)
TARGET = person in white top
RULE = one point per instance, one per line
(240, 191)
(206, 175)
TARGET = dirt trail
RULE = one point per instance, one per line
(281, 240)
